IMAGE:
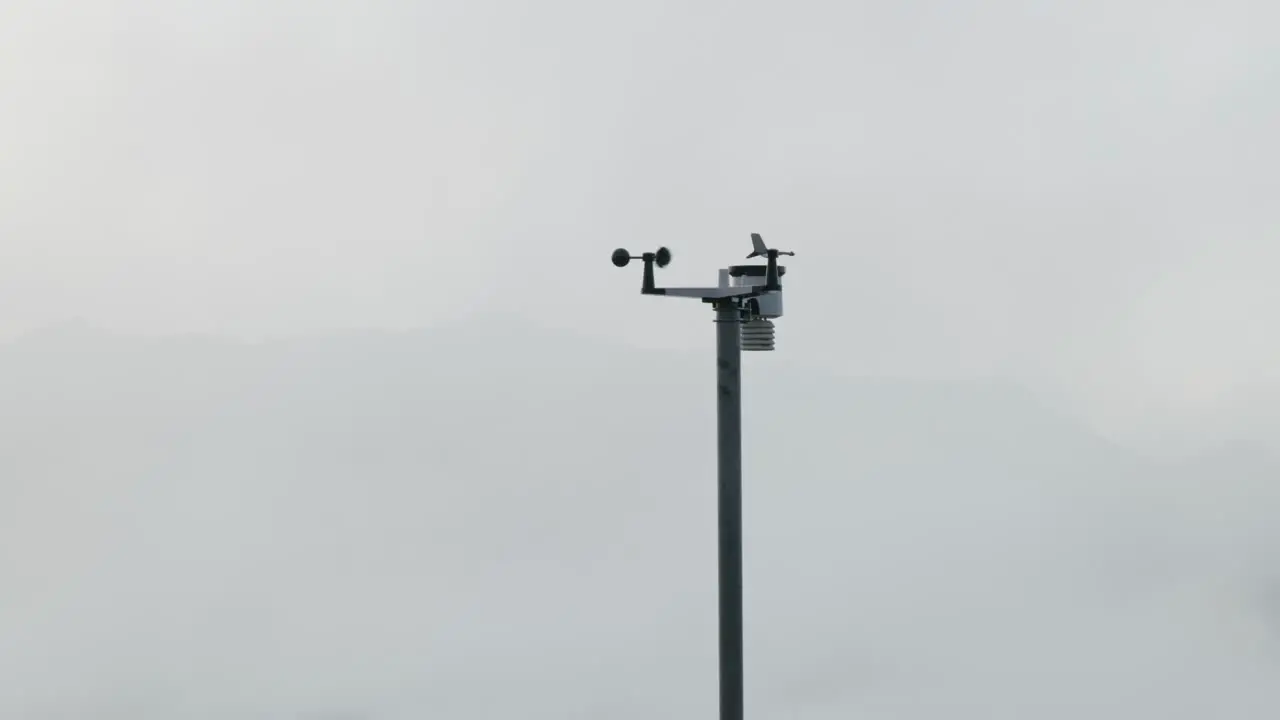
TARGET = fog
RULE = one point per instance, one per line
(318, 397)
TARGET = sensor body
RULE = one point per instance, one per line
(758, 311)
(768, 304)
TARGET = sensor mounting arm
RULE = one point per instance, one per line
(662, 257)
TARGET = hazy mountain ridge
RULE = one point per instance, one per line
(373, 519)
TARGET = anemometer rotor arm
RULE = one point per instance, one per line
(661, 257)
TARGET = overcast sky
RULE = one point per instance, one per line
(1080, 195)
(411, 525)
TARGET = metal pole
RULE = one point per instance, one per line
(729, 421)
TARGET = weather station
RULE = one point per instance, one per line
(747, 299)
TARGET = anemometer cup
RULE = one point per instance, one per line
(622, 257)
(662, 258)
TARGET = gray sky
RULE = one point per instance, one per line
(1075, 194)
(1071, 190)
(1076, 197)
(413, 525)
